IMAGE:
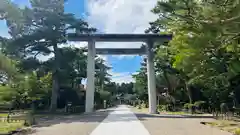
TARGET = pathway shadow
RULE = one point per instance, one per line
(96, 117)
(144, 115)
(99, 116)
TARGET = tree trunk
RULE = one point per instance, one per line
(168, 83)
(72, 83)
(102, 87)
(189, 92)
(54, 96)
(55, 80)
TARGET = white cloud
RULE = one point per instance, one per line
(105, 58)
(124, 56)
(121, 77)
(121, 16)
(77, 44)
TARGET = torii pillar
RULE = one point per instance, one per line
(152, 96)
(92, 38)
(89, 105)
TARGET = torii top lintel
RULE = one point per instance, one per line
(119, 37)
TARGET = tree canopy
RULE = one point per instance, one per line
(202, 58)
(40, 31)
(200, 63)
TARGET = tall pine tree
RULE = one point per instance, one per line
(40, 31)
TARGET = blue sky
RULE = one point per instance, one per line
(111, 16)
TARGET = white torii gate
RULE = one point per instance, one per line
(149, 39)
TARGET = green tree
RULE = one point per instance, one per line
(8, 70)
(205, 43)
(27, 89)
(42, 28)
(102, 76)
(140, 85)
(73, 66)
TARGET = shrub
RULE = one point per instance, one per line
(161, 108)
(190, 107)
(237, 131)
(199, 104)
(144, 105)
(186, 106)
(134, 103)
(30, 119)
(168, 107)
(182, 103)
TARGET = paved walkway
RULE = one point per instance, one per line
(122, 121)
(178, 125)
(70, 125)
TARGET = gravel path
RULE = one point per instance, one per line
(177, 125)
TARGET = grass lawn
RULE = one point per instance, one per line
(175, 113)
(8, 127)
(226, 125)
(3, 114)
(145, 110)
